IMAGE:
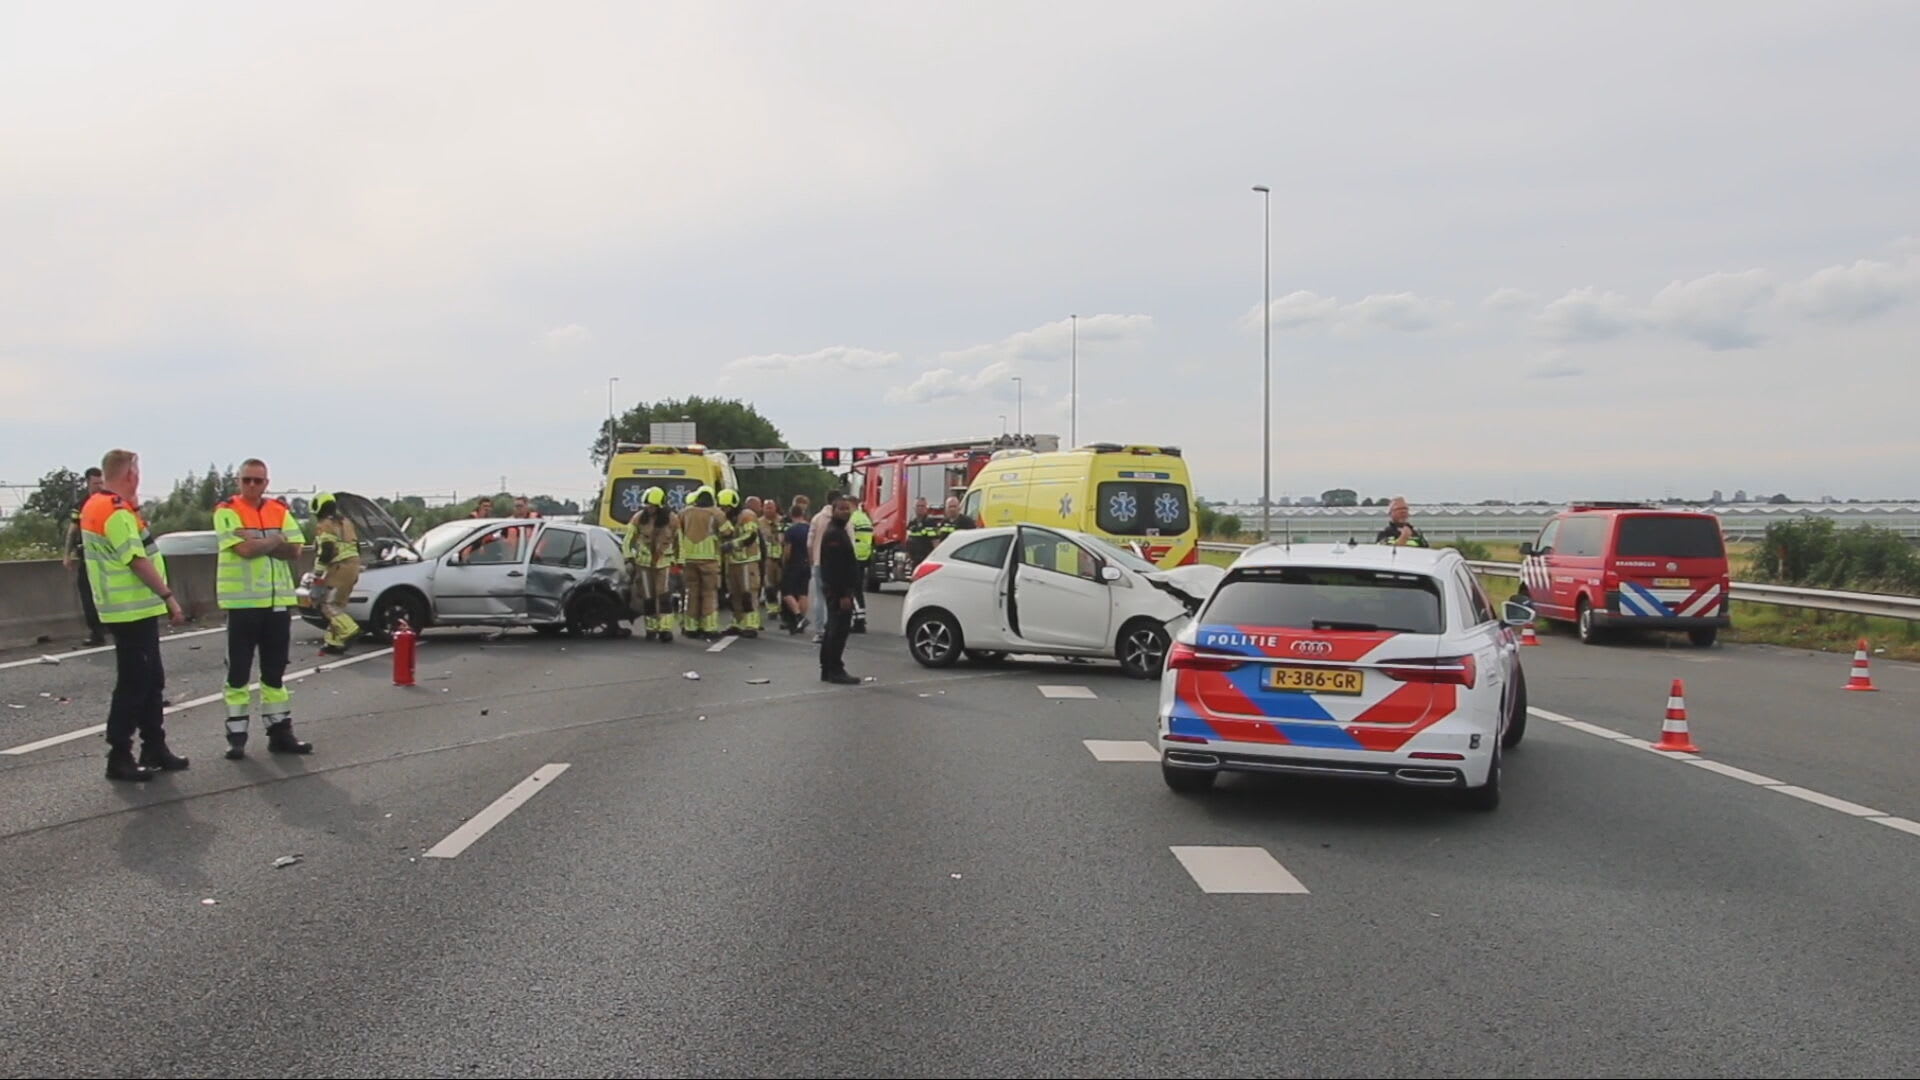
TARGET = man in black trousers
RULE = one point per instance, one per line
(839, 578)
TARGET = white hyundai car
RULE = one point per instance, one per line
(986, 593)
(1362, 661)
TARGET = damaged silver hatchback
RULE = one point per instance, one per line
(552, 576)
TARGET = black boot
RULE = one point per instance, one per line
(236, 746)
(155, 755)
(280, 740)
(121, 766)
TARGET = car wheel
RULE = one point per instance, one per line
(1143, 648)
(1487, 795)
(934, 639)
(1517, 715)
(592, 611)
(1589, 634)
(1704, 639)
(1188, 781)
(394, 606)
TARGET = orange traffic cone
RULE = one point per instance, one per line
(1527, 636)
(1862, 679)
(1673, 734)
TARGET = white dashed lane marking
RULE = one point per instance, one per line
(1853, 809)
(97, 729)
(1237, 870)
(1121, 750)
(1078, 692)
(463, 837)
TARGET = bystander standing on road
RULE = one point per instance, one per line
(75, 559)
(839, 576)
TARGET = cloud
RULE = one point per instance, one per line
(1509, 300)
(1716, 309)
(1054, 341)
(1586, 315)
(834, 357)
(1402, 312)
(940, 383)
(1843, 294)
(1554, 365)
(570, 336)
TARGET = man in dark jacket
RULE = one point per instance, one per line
(839, 578)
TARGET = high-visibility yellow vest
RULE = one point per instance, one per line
(745, 531)
(700, 534)
(862, 527)
(262, 581)
(112, 535)
(654, 547)
(338, 532)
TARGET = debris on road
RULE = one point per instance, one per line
(50, 660)
(43, 693)
(209, 901)
(758, 682)
(955, 877)
(692, 675)
(484, 712)
(285, 861)
(11, 705)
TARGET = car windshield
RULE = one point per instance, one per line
(1114, 553)
(441, 538)
(1328, 598)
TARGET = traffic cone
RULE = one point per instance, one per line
(1862, 679)
(1527, 636)
(1673, 734)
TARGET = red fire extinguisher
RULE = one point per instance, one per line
(403, 643)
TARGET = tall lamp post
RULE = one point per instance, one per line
(1266, 361)
(1019, 406)
(1073, 413)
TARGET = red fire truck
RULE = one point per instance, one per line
(890, 483)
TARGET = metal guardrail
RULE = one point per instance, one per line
(1885, 605)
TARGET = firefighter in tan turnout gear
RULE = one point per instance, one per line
(700, 525)
(741, 544)
(652, 548)
(337, 555)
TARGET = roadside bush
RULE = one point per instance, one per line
(1470, 550)
(1815, 553)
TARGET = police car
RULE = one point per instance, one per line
(1367, 662)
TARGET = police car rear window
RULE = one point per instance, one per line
(1314, 598)
(1669, 537)
(1142, 508)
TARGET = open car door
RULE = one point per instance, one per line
(382, 540)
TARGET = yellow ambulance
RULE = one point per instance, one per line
(1124, 494)
(677, 470)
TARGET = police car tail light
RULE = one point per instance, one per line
(1458, 670)
(1184, 657)
(926, 568)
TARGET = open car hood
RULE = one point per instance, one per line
(381, 538)
(1189, 584)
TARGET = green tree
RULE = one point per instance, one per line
(58, 491)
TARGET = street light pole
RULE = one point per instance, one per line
(610, 382)
(1266, 361)
(1073, 413)
(1020, 405)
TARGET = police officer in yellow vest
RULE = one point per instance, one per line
(653, 549)
(861, 526)
(128, 577)
(700, 525)
(259, 541)
(337, 557)
(741, 545)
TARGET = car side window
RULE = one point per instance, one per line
(989, 552)
(1544, 545)
(501, 547)
(1044, 550)
(1480, 608)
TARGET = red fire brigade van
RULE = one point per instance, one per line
(1602, 566)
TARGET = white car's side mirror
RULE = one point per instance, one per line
(1110, 574)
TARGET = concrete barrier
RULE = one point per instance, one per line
(38, 598)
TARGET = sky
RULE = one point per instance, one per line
(1516, 250)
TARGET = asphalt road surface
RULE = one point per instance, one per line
(563, 857)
